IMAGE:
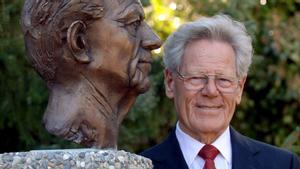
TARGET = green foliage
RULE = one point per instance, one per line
(292, 140)
(268, 112)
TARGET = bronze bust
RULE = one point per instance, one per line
(95, 56)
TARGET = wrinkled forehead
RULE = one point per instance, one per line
(119, 7)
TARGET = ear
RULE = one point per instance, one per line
(77, 43)
(241, 88)
(169, 83)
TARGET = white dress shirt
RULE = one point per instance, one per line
(190, 148)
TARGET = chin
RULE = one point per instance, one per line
(208, 125)
(216, 128)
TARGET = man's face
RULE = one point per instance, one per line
(121, 44)
(207, 111)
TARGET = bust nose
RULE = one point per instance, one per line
(150, 40)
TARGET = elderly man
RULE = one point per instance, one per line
(95, 56)
(206, 68)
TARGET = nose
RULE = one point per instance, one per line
(150, 40)
(210, 89)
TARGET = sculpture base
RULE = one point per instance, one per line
(74, 158)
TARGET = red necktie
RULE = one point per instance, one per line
(209, 153)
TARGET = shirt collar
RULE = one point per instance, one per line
(223, 144)
(190, 146)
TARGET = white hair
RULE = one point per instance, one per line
(219, 27)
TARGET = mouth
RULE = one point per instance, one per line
(209, 110)
(142, 64)
(140, 71)
(210, 107)
(145, 60)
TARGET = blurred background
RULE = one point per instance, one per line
(270, 108)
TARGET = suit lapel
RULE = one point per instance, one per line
(243, 152)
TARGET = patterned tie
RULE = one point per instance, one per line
(209, 153)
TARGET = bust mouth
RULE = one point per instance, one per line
(145, 60)
(139, 70)
(144, 65)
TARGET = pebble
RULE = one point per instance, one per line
(72, 162)
(81, 155)
(16, 160)
(82, 164)
(66, 156)
(121, 158)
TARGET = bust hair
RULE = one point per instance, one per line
(45, 24)
(218, 27)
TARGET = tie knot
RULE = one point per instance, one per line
(208, 152)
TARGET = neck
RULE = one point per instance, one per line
(203, 137)
(87, 114)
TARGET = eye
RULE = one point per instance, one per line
(132, 27)
(224, 82)
(197, 80)
(136, 24)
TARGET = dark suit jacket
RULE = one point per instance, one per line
(246, 154)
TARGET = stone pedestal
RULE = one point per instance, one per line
(74, 159)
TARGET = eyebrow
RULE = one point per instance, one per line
(131, 11)
(217, 72)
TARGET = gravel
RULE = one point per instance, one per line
(74, 159)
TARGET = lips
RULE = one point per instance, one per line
(145, 59)
(144, 63)
(212, 107)
(209, 107)
(139, 70)
(208, 110)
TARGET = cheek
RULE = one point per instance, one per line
(118, 53)
(121, 45)
(117, 38)
(230, 103)
(184, 102)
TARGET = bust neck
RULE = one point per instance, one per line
(87, 114)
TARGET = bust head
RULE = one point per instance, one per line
(94, 56)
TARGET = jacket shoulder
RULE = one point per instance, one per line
(265, 154)
(154, 152)
(277, 155)
(266, 149)
(163, 150)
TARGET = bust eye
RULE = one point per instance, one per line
(132, 27)
(137, 23)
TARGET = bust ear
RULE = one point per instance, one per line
(77, 44)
